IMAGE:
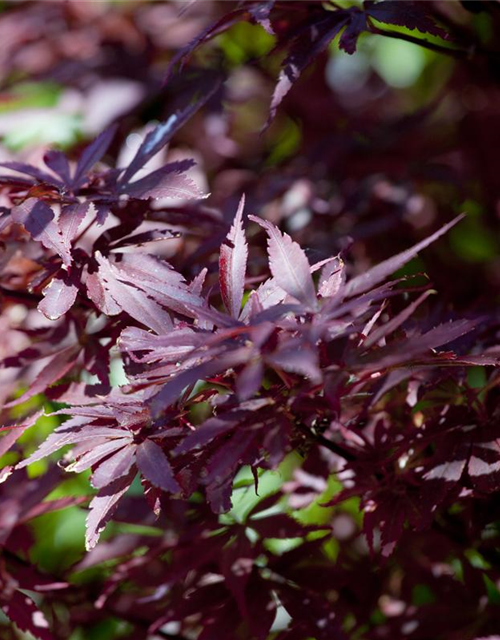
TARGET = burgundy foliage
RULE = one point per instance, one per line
(249, 345)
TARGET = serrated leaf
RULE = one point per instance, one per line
(289, 265)
(172, 390)
(114, 467)
(72, 432)
(59, 295)
(155, 467)
(389, 327)
(383, 270)
(14, 432)
(38, 220)
(232, 264)
(404, 13)
(313, 39)
(23, 612)
(206, 432)
(92, 154)
(96, 454)
(156, 139)
(356, 25)
(57, 161)
(70, 219)
(112, 295)
(57, 367)
(146, 237)
(169, 181)
(30, 170)
(102, 507)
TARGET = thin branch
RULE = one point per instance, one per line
(170, 636)
(84, 231)
(143, 624)
(438, 48)
(324, 442)
(334, 447)
(23, 296)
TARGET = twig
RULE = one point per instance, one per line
(455, 53)
(324, 442)
(19, 295)
(144, 624)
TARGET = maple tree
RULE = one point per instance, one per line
(282, 422)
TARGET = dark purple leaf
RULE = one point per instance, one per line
(269, 294)
(147, 237)
(356, 25)
(114, 467)
(171, 347)
(156, 139)
(57, 367)
(449, 470)
(213, 29)
(97, 453)
(23, 612)
(102, 507)
(281, 526)
(260, 12)
(404, 13)
(313, 40)
(49, 506)
(157, 280)
(172, 391)
(102, 212)
(381, 271)
(206, 432)
(155, 467)
(250, 379)
(59, 295)
(57, 161)
(14, 432)
(196, 285)
(72, 432)
(70, 219)
(388, 328)
(92, 154)
(222, 467)
(38, 220)
(297, 358)
(112, 296)
(168, 182)
(29, 170)
(417, 345)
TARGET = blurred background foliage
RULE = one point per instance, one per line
(377, 146)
